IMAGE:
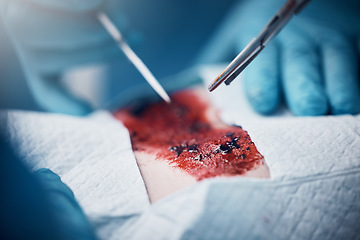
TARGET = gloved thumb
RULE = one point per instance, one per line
(71, 220)
(52, 96)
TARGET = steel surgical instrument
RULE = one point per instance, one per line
(248, 54)
(130, 54)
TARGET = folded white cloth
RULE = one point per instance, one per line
(92, 156)
(313, 192)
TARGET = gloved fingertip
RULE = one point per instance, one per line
(71, 219)
(346, 107)
(52, 182)
(309, 107)
(65, 103)
(79, 108)
(262, 91)
(74, 108)
(341, 73)
(46, 174)
(262, 81)
(263, 102)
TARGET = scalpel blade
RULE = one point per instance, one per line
(130, 54)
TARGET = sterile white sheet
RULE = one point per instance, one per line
(92, 156)
(313, 193)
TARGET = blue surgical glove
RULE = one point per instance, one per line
(52, 36)
(38, 205)
(68, 213)
(312, 64)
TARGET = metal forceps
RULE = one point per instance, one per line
(248, 54)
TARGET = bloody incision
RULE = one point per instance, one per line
(181, 133)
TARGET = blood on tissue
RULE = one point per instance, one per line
(181, 134)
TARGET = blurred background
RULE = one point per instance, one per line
(166, 34)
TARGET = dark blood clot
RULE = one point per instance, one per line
(182, 134)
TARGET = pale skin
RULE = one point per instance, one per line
(161, 179)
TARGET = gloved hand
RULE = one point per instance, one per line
(54, 35)
(71, 220)
(38, 205)
(312, 63)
